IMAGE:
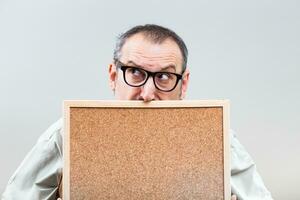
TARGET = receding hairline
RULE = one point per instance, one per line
(147, 37)
(155, 34)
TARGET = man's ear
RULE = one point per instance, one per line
(185, 83)
(112, 70)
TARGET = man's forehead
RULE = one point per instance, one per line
(143, 51)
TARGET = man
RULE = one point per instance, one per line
(150, 63)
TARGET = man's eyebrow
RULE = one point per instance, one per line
(171, 66)
(132, 63)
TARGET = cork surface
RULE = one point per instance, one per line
(146, 153)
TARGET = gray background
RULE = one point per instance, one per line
(245, 51)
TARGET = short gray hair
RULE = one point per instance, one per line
(154, 33)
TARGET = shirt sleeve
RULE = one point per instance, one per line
(40, 172)
(246, 183)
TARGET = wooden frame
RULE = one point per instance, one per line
(223, 104)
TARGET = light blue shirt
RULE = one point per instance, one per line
(40, 173)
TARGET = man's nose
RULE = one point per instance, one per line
(148, 90)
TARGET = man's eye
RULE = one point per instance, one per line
(163, 76)
(135, 72)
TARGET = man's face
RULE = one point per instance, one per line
(142, 53)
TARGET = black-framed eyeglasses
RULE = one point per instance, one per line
(137, 77)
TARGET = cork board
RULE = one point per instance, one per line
(137, 150)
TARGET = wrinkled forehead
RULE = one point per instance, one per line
(150, 55)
